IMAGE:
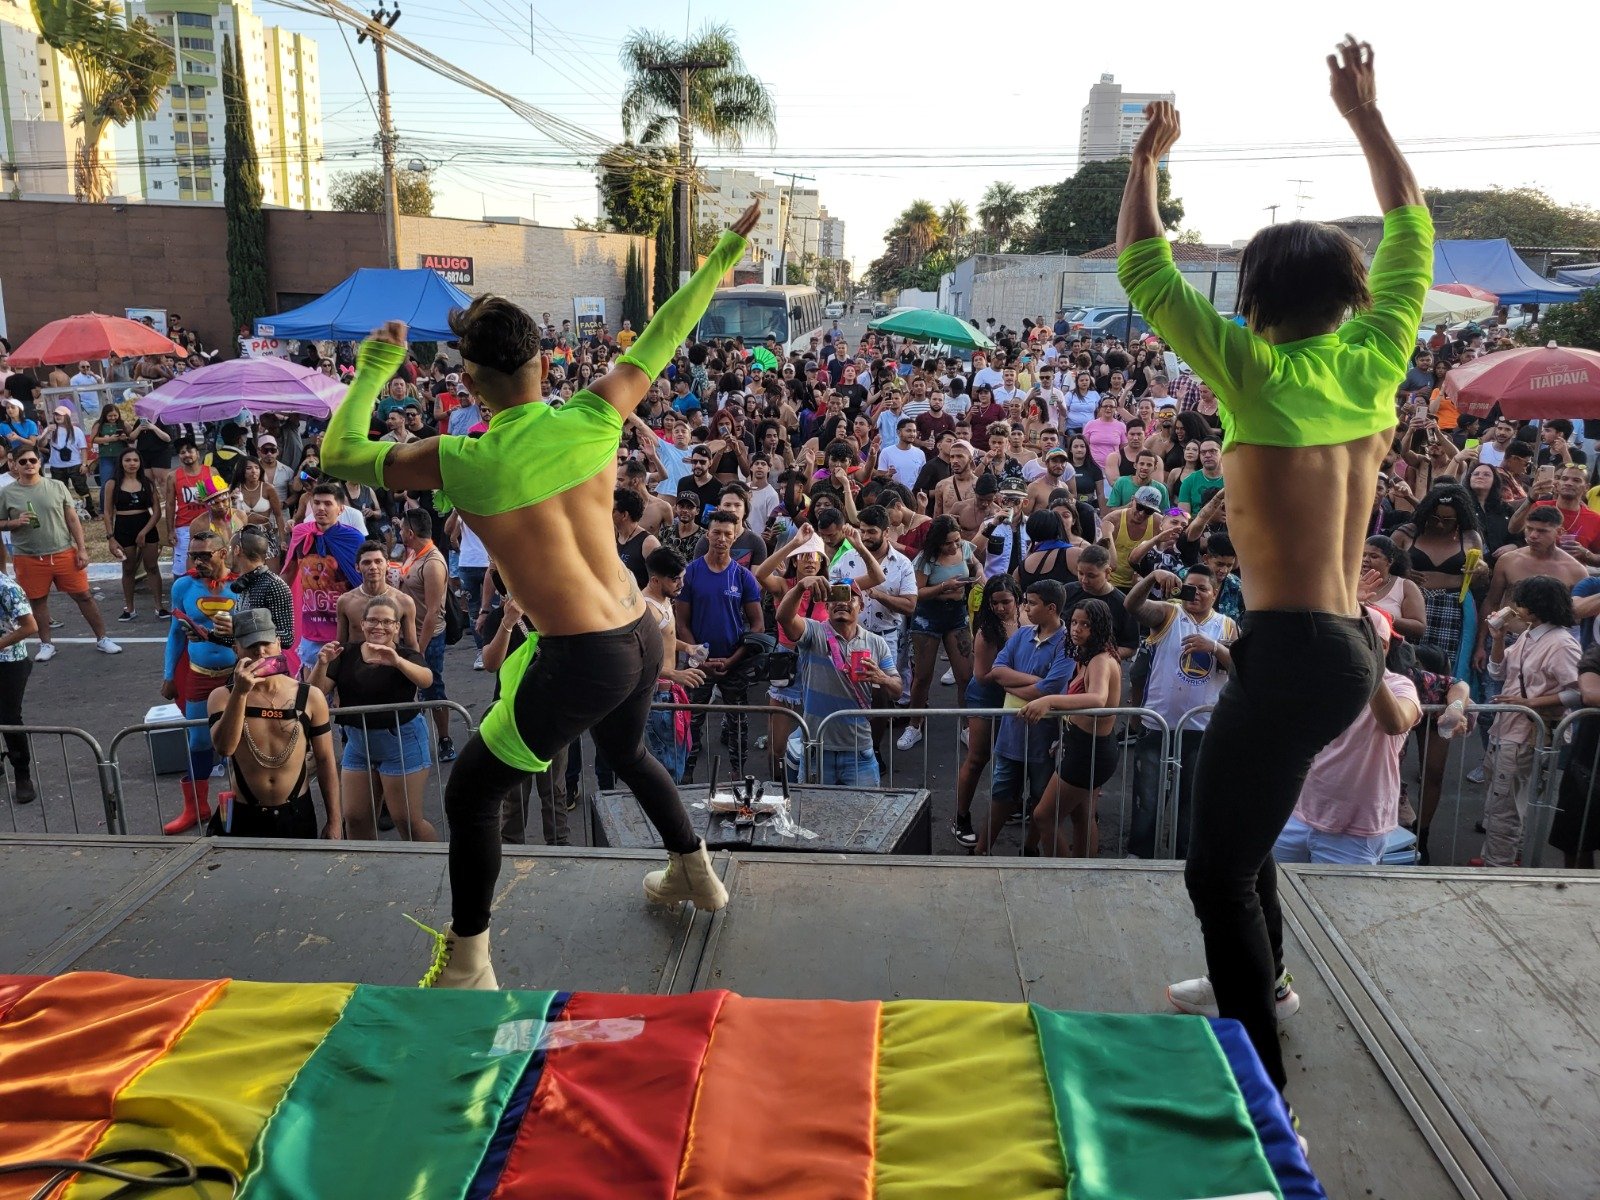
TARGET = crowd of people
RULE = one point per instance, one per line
(820, 537)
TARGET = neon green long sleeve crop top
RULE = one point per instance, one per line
(1320, 391)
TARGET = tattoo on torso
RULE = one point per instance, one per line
(630, 594)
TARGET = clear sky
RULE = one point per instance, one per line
(886, 102)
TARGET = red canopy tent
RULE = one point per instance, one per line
(91, 336)
(1529, 384)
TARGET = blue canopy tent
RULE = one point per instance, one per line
(1582, 276)
(1494, 266)
(419, 297)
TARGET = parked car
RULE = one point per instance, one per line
(1092, 315)
(834, 310)
(1118, 325)
(880, 309)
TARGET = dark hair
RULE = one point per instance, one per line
(939, 531)
(697, 357)
(1519, 448)
(1457, 497)
(1544, 514)
(1220, 545)
(1548, 599)
(418, 520)
(1301, 273)
(875, 515)
(666, 563)
(839, 451)
(324, 488)
(829, 517)
(1561, 425)
(896, 491)
(1201, 570)
(1094, 556)
(142, 475)
(1194, 428)
(1047, 591)
(1399, 560)
(1043, 526)
(370, 547)
(1494, 501)
(493, 332)
(1101, 634)
(253, 544)
(629, 502)
(634, 469)
(185, 443)
(985, 621)
(721, 516)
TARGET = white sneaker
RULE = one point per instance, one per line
(909, 737)
(1197, 997)
(1476, 775)
(46, 652)
(106, 646)
(949, 677)
(477, 663)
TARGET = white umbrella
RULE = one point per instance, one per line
(1449, 309)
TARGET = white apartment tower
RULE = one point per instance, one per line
(1112, 120)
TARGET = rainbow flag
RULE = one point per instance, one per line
(341, 1091)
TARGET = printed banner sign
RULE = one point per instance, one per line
(263, 347)
(454, 268)
(157, 317)
(589, 313)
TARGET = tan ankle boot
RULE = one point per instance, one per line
(687, 877)
(460, 962)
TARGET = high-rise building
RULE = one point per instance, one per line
(1112, 120)
(181, 145)
(830, 237)
(38, 97)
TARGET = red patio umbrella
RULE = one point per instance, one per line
(91, 336)
(1529, 384)
(1468, 290)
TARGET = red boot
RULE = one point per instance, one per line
(196, 810)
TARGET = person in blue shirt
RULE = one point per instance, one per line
(18, 430)
(1034, 662)
(199, 659)
(720, 603)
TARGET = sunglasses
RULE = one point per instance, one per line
(26, 462)
(202, 555)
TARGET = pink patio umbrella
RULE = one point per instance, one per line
(258, 385)
(1470, 291)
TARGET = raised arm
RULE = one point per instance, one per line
(629, 380)
(1354, 88)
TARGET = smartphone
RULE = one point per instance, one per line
(272, 664)
(1186, 592)
(839, 593)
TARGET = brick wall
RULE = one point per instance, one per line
(535, 266)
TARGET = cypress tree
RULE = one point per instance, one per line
(241, 196)
(664, 283)
(634, 305)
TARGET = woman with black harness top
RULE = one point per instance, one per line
(271, 728)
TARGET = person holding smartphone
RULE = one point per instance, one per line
(274, 731)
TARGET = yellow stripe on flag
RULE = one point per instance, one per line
(963, 1101)
(209, 1097)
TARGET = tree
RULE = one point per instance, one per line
(1080, 213)
(706, 236)
(241, 196)
(957, 223)
(999, 211)
(636, 186)
(122, 69)
(726, 104)
(362, 191)
(665, 282)
(1524, 216)
(1576, 324)
(633, 293)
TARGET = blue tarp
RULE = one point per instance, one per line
(373, 295)
(1494, 266)
(1584, 277)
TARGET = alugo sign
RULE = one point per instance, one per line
(453, 267)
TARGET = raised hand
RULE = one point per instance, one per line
(1351, 81)
(1161, 131)
(393, 332)
(748, 218)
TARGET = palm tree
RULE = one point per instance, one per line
(726, 103)
(919, 229)
(998, 213)
(957, 224)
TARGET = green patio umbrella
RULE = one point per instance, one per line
(927, 325)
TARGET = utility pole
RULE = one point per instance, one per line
(783, 240)
(1274, 208)
(1300, 196)
(382, 21)
(681, 68)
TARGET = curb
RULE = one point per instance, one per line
(112, 572)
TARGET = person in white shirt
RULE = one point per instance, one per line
(1051, 400)
(889, 604)
(89, 402)
(956, 402)
(905, 458)
(918, 403)
(982, 372)
(1082, 402)
(764, 498)
(273, 469)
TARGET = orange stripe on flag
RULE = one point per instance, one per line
(785, 1108)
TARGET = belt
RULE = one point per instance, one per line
(210, 673)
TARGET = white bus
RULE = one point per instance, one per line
(753, 310)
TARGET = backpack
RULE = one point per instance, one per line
(455, 617)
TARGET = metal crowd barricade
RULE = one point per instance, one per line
(970, 763)
(1542, 808)
(162, 797)
(1443, 796)
(44, 814)
(707, 748)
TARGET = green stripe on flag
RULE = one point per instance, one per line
(1148, 1110)
(401, 1098)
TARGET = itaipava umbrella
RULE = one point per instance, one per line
(1469, 290)
(1529, 384)
(91, 336)
(929, 325)
(258, 385)
(1448, 308)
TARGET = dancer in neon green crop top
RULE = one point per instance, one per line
(537, 489)
(1307, 397)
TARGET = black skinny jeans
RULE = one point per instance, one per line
(1299, 680)
(13, 682)
(600, 683)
